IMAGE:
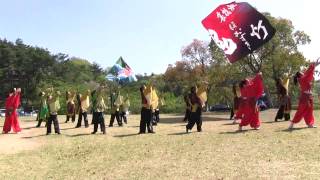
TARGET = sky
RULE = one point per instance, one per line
(148, 34)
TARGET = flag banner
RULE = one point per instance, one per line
(121, 72)
(238, 29)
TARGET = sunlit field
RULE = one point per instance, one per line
(219, 152)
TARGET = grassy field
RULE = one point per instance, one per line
(219, 152)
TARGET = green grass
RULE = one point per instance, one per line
(216, 153)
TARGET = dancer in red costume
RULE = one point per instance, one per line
(12, 103)
(251, 90)
(305, 107)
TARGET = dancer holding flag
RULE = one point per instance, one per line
(251, 90)
(305, 107)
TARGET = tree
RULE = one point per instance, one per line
(197, 53)
(34, 68)
(181, 76)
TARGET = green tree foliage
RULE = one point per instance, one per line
(34, 68)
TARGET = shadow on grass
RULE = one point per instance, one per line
(239, 132)
(126, 135)
(78, 135)
(30, 137)
(63, 129)
(272, 122)
(179, 134)
(234, 132)
(231, 124)
(31, 127)
(293, 129)
(178, 120)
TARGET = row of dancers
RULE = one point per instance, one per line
(245, 105)
(246, 110)
(77, 103)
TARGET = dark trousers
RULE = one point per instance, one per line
(123, 115)
(85, 117)
(53, 118)
(281, 114)
(155, 117)
(73, 118)
(98, 119)
(231, 113)
(195, 118)
(40, 122)
(117, 116)
(146, 118)
(187, 115)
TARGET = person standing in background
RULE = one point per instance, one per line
(98, 107)
(124, 109)
(54, 106)
(84, 107)
(43, 112)
(71, 113)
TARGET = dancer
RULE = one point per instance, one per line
(116, 101)
(196, 109)
(43, 112)
(71, 110)
(124, 109)
(98, 107)
(284, 99)
(251, 90)
(11, 120)
(146, 112)
(305, 107)
(84, 104)
(54, 106)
